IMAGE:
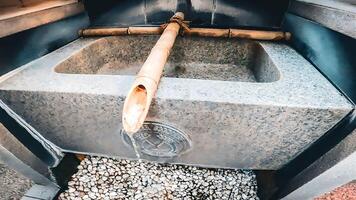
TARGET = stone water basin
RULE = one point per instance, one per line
(224, 103)
(191, 58)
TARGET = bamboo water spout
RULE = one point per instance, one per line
(140, 96)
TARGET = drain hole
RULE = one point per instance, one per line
(160, 140)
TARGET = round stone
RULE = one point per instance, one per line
(146, 180)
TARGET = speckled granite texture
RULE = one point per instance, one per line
(232, 124)
(12, 184)
(194, 57)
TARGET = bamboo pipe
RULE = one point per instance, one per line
(204, 32)
(259, 35)
(140, 96)
(144, 30)
(103, 32)
(207, 32)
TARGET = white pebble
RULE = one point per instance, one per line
(104, 178)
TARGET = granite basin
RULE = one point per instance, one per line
(196, 58)
(223, 103)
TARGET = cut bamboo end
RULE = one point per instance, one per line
(287, 35)
(178, 15)
(80, 156)
(139, 98)
(137, 104)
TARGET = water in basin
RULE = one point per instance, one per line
(191, 57)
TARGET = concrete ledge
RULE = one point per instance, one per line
(338, 16)
(14, 154)
(40, 192)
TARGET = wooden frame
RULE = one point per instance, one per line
(14, 19)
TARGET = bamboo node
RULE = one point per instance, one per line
(179, 20)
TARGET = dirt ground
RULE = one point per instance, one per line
(12, 184)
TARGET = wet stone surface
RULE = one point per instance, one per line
(104, 178)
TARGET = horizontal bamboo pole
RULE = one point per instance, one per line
(259, 35)
(144, 31)
(103, 32)
(207, 32)
(139, 98)
(204, 32)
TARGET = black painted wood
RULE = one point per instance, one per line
(23, 47)
(201, 13)
(26, 138)
(337, 18)
(332, 53)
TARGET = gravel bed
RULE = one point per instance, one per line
(105, 178)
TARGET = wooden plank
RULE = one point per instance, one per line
(16, 19)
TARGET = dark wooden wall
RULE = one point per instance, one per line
(23, 47)
(326, 36)
(201, 13)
